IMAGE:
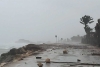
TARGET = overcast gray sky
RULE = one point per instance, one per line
(41, 20)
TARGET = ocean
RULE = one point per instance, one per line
(5, 47)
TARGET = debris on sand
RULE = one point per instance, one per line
(65, 52)
(40, 64)
(38, 57)
(98, 54)
(2, 64)
(47, 60)
(78, 60)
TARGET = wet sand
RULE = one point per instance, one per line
(57, 56)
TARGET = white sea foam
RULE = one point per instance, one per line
(11, 45)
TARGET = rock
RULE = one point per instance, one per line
(6, 58)
(78, 60)
(13, 51)
(65, 52)
(20, 53)
(4, 54)
(47, 60)
(38, 57)
(21, 50)
(2, 64)
(40, 64)
(18, 57)
(32, 47)
(22, 59)
(9, 58)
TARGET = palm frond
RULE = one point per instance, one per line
(91, 22)
(81, 22)
(81, 19)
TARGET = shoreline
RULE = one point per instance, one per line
(32, 49)
(14, 55)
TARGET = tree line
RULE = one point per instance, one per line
(90, 37)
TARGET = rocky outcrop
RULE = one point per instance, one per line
(2, 64)
(20, 53)
(32, 47)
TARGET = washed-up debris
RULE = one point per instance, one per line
(40, 64)
(95, 54)
(22, 59)
(65, 52)
(2, 64)
(78, 60)
(38, 57)
(47, 60)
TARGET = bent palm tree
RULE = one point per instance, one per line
(86, 20)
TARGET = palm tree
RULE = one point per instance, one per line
(88, 29)
(85, 20)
